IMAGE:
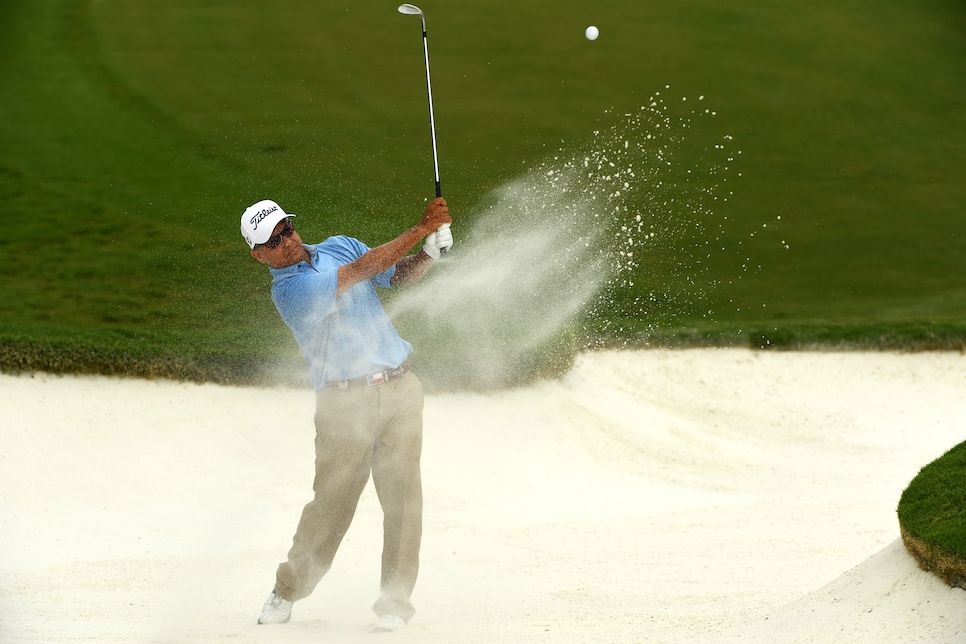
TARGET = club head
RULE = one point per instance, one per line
(410, 9)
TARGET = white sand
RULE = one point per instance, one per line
(659, 496)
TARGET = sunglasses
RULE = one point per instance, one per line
(275, 240)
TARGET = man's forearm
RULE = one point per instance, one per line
(383, 257)
(412, 268)
(377, 260)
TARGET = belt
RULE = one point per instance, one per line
(371, 379)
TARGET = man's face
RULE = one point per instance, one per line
(288, 251)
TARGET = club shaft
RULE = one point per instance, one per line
(432, 117)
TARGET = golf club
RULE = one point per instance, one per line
(413, 10)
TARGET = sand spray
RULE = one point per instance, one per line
(614, 229)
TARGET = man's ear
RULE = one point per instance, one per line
(257, 254)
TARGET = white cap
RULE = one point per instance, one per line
(259, 220)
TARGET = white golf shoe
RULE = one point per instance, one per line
(276, 610)
(388, 624)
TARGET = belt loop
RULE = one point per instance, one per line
(343, 384)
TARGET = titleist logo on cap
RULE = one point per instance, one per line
(260, 215)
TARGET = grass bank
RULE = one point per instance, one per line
(932, 517)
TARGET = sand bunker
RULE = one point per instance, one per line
(666, 496)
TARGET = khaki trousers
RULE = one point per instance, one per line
(359, 430)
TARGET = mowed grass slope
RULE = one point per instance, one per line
(133, 134)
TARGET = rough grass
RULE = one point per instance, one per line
(150, 355)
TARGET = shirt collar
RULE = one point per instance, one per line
(294, 268)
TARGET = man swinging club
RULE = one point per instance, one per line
(369, 404)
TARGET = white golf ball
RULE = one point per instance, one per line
(592, 33)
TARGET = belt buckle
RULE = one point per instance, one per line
(376, 378)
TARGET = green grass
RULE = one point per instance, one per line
(933, 507)
(133, 134)
(932, 513)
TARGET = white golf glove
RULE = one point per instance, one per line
(441, 240)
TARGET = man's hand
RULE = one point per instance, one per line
(439, 241)
(437, 214)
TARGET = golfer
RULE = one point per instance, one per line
(369, 405)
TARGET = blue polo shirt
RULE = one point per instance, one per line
(340, 337)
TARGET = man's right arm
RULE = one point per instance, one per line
(384, 257)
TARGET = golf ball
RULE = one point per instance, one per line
(592, 33)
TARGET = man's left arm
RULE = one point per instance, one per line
(412, 268)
